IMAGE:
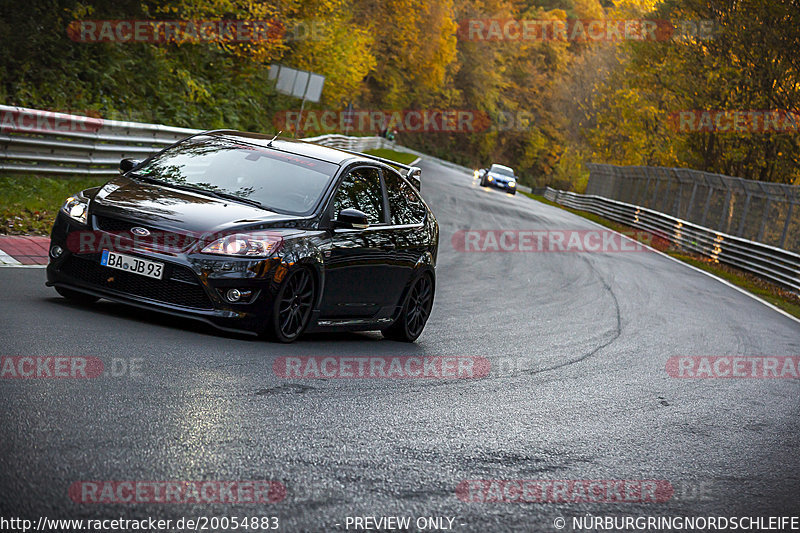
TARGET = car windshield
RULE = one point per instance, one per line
(505, 171)
(278, 181)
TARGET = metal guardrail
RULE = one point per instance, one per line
(354, 144)
(45, 142)
(756, 210)
(769, 262)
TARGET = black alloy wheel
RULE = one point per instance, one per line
(415, 313)
(293, 306)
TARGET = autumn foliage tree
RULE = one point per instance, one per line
(552, 105)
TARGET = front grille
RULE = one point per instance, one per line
(161, 240)
(179, 286)
(112, 224)
(184, 275)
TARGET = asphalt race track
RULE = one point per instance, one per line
(578, 344)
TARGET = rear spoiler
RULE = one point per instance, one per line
(412, 174)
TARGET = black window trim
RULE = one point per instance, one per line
(329, 215)
(415, 191)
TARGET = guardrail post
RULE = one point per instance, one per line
(613, 182)
(725, 209)
(708, 199)
(786, 224)
(689, 207)
(676, 205)
(641, 189)
(740, 231)
(655, 191)
(666, 193)
(767, 205)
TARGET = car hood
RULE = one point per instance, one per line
(167, 208)
(501, 177)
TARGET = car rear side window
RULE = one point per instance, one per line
(361, 189)
(405, 204)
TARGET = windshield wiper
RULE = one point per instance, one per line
(207, 192)
(148, 179)
(229, 196)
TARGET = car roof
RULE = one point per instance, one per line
(502, 166)
(292, 146)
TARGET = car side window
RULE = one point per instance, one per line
(404, 203)
(361, 189)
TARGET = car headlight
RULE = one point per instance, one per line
(491, 178)
(77, 208)
(245, 245)
(512, 183)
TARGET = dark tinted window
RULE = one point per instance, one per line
(404, 202)
(278, 180)
(361, 189)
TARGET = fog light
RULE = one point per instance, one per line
(56, 251)
(233, 295)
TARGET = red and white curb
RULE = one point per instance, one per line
(24, 251)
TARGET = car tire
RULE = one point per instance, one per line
(513, 193)
(76, 296)
(415, 312)
(292, 308)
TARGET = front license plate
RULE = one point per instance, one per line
(144, 267)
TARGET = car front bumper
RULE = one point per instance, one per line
(503, 185)
(193, 285)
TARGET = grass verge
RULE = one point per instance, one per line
(775, 294)
(28, 204)
(400, 157)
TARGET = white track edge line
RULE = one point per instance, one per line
(709, 274)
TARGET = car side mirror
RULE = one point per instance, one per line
(351, 218)
(128, 164)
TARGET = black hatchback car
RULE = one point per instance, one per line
(249, 233)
